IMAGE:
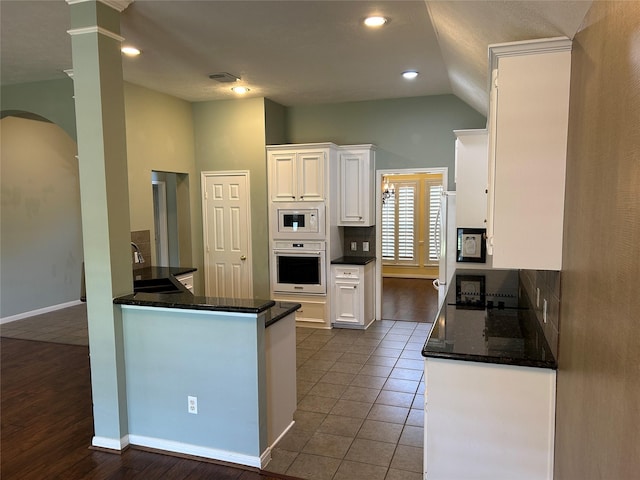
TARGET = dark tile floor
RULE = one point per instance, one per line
(360, 405)
(68, 325)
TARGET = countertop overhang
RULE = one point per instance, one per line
(186, 301)
(352, 260)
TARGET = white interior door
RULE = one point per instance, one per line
(227, 234)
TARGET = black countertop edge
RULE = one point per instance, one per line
(152, 272)
(279, 311)
(518, 362)
(352, 260)
(187, 301)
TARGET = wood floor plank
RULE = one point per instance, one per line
(47, 424)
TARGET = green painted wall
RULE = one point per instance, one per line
(230, 135)
(409, 132)
(160, 137)
(52, 100)
(40, 225)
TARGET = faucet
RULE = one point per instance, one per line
(137, 255)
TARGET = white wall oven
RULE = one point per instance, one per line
(298, 267)
(298, 220)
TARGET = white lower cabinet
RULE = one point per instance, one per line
(488, 421)
(352, 303)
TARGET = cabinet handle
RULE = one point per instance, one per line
(355, 286)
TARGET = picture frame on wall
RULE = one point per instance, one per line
(472, 245)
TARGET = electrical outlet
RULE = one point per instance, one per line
(544, 310)
(354, 246)
(537, 297)
(365, 246)
(192, 405)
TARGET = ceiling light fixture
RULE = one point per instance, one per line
(410, 74)
(240, 90)
(375, 21)
(130, 51)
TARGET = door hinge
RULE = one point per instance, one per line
(206, 195)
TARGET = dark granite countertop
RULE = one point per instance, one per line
(279, 311)
(185, 300)
(352, 260)
(154, 273)
(487, 317)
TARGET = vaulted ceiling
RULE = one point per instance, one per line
(293, 52)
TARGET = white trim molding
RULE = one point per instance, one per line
(200, 451)
(110, 443)
(119, 5)
(94, 29)
(39, 311)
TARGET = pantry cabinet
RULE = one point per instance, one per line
(352, 287)
(298, 173)
(471, 178)
(356, 177)
(528, 118)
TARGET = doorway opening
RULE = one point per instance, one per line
(408, 239)
(171, 219)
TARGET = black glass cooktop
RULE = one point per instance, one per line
(487, 317)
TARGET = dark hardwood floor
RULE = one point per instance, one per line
(47, 424)
(409, 299)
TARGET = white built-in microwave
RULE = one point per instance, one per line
(298, 220)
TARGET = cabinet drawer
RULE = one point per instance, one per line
(347, 273)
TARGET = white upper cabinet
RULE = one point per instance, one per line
(528, 118)
(356, 177)
(471, 178)
(298, 174)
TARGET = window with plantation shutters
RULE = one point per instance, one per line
(399, 224)
(410, 223)
(435, 190)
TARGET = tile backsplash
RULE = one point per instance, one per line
(142, 238)
(359, 235)
(548, 282)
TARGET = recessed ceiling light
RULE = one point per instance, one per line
(240, 90)
(410, 74)
(375, 21)
(130, 51)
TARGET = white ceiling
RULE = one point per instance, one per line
(294, 52)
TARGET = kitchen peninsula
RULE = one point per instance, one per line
(209, 377)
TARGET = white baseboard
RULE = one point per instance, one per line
(110, 443)
(284, 432)
(199, 451)
(39, 311)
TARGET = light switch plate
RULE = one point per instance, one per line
(354, 246)
(365, 246)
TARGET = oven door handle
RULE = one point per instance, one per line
(296, 252)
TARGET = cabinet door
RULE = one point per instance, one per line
(310, 171)
(356, 188)
(347, 302)
(528, 128)
(352, 196)
(283, 176)
(471, 178)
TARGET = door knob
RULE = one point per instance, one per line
(243, 257)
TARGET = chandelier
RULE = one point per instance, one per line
(388, 190)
